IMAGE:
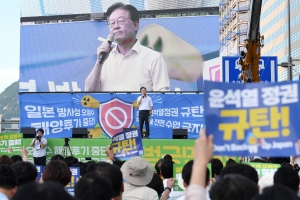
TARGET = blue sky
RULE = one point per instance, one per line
(9, 42)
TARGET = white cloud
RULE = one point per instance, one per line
(7, 77)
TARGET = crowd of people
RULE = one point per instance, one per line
(136, 178)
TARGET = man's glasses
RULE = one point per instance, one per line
(120, 21)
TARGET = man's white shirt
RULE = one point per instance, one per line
(37, 150)
(146, 102)
(140, 67)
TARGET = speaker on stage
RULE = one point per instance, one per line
(79, 133)
(180, 133)
(28, 132)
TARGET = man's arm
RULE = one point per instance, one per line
(151, 106)
(92, 82)
(159, 74)
(24, 153)
(139, 100)
(32, 143)
(43, 144)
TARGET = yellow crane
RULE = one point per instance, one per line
(250, 59)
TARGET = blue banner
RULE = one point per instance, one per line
(107, 114)
(253, 119)
(128, 144)
(40, 170)
(232, 69)
(74, 179)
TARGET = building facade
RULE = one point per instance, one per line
(233, 26)
(274, 26)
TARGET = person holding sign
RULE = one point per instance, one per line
(39, 148)
(145, 110)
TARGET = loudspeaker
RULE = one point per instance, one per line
(180, 133)
(79, 133)
(28, 132)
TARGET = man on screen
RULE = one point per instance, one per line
(129, 65)
(145, 110)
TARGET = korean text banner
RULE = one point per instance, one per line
(253, 119)
(107, 114)
(181, 150)
(127, 144)
(74, 178)
(264, 168)
(10, 143)
(59, 57)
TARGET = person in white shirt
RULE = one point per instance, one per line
(129, 64)
(39, 145)
(145, 110)
(137, 172)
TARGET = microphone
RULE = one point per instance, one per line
(103, 55)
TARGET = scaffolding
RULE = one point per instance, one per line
(234, 16)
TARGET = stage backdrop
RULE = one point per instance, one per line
(59, 57)
(107, 114)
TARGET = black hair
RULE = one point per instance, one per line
(40, 129)
(57, 157)
(142, 88)
(277, 192)
(94, 186)
(230, 162)
(90, 166)
(156, 184)
(285, 164)
(288, 177)
(45, 191)
(8, 177)
(187, 172)
(157, 166)
(113, 173)
(118, 162)
(26, 172)
(166, 169)
(134, 14)
(16, 158)
(82, 167)
(168, 157)
(242, 169)
(216, 166)
(71, 160)
(233, 187)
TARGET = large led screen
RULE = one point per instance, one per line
(59, 57)
(29, 8)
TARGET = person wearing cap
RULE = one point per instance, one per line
(137, 172)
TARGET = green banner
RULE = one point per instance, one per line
(177, 169)
(10, 143)
(181, 150)
(263, 168)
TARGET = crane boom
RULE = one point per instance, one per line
(253, 44)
